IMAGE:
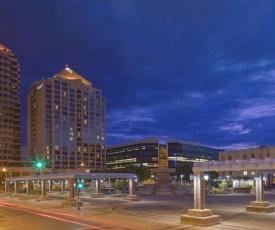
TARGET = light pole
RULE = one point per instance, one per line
(5, 172)
(206, 177)
(181, 176)
(153, 179)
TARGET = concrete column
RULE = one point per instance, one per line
(50, 185)
(62, 185)
(259, 188)
(7, 186)
(199, 191)
(72, 186)
(43, 188)
(28, 187)
(97, 186)
(16, 186)
(132, 186)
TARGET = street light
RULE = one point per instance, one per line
(79, 186)
(181, 176)
(153, 178)
(5, 172)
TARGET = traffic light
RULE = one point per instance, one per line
(79, 185)
(39, 165)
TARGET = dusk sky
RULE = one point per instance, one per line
(194, 70)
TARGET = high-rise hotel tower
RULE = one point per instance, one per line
(67, 122)
(9, 105)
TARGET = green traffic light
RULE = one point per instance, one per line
(80, 185)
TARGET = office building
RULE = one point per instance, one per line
(261, 153)
(9, 105)
(157, 152)
(67, 123)
(137, 154)
(180, 152)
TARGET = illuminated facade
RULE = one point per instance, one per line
(9, 105)
(184, 151)
(245, 154)
(67, 122)
(147, 153)
(155, 153)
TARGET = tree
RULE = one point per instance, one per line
(185, 169)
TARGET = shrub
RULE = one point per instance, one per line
(248, 186)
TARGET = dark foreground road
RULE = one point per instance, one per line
(20, 218)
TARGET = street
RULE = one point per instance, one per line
(15, 218)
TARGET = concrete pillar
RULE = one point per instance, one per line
(72, 186)
(259, 188)
(16, 186)
(43, 188)
(62, 185)
(132, 186)
(28, 187)
(97, 186)
(259, 205)
(199, 215)
(132, 191)
(7, 186)
(199, 191)
(50, 185)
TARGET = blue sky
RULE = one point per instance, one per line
(195, 70)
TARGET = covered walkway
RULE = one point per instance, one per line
(202, 216)
(72, 179)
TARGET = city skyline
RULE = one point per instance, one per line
(200, 71)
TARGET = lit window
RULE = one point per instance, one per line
(245, 173)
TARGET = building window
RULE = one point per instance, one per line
(244, 157)
(245, 173)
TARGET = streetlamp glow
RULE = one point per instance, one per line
(181, 176)
(206, 177)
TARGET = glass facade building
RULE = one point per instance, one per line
(9, 106)
(183, 151)
(154, 153)
(140, 153)
(67, 122)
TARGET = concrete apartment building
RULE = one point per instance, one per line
(246, 154)
(156, 152)
(67, 123)
(9, 105)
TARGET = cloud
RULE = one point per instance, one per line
(137, 114)
(237, 146)
(264, 76)
(257, 111)
(194, 94)
(235, 128)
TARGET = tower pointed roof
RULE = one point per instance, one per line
(69, 74)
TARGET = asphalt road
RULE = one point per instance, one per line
(112, 212)
(17, 218)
